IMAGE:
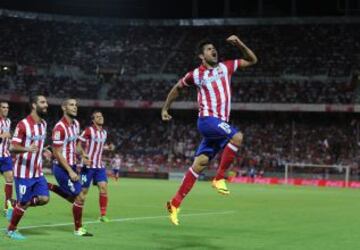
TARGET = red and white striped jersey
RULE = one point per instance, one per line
(29, 165)
(95, 140)
(5, 125)
(65, 135)
(116, 163)
(213, 87)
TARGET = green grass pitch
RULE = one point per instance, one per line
(252, 217)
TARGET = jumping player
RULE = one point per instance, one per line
(28, 145)
(212, 81)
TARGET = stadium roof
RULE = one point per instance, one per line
(187, 8)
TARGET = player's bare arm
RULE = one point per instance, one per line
(173, 94)
(5, 135)
(64, 164)
(80, 150)
(249, 56)
(18, 149)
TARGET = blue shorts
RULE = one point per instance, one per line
(72, 188)
(28, 188)
(6, 164)
(92, 174)
(216, 134)
(115, 171)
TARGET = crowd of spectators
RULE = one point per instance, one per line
(245, 91)
(129, 51)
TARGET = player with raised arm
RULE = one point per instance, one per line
(28, 145)
(6, 164)
(65, 149)
(212, 80)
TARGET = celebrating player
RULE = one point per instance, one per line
(6, 166)
(64, 136)
(94, 137)
(212, 81)
(28, 144)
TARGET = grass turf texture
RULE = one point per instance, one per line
(252, 217)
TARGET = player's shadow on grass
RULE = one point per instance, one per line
(189, 242)
(47, 230)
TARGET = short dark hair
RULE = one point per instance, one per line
(94, 112)
(67, 99)
(33, 99)
(200, 46)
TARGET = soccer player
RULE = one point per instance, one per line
(94, 138)
(212, 81)
(28, 144)
(116, 165)
(6, 165)
(65, 149)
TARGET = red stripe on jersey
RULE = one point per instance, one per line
(214, 90)
(29, 165)
(95, 140)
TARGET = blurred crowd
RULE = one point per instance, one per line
(107, 60)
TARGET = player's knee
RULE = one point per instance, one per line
(200, 163)
(43, 200)
(9, 177)
(80, 199)
(103, 190)
(237, 139)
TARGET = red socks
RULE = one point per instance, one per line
(227, 158)
(16, 217)
(103, 200)
(8, 189)
(186, 185)
(77, 214)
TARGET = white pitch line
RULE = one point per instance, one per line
(124, 219)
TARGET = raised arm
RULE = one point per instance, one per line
(173, 94)
(249, 56)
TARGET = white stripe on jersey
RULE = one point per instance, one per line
(29, 165)
(228, 82)
(211, 91)
(222, 96)
(5, 125)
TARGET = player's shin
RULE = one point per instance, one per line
(56, 189)
(77, 210)
(16, 217)
(8, 189)
(103, 201)
(227, 158)
(186, 185)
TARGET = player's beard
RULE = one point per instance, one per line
(42, 113)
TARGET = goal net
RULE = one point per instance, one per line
(316, 174)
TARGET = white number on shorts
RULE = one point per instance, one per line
(22, 189)
(71, 185)
(83, 179)
(226, 127)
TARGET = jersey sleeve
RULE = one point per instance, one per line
(232, 65)
(58, 136)
(19, 134)
(85, 135)
(187, 80)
